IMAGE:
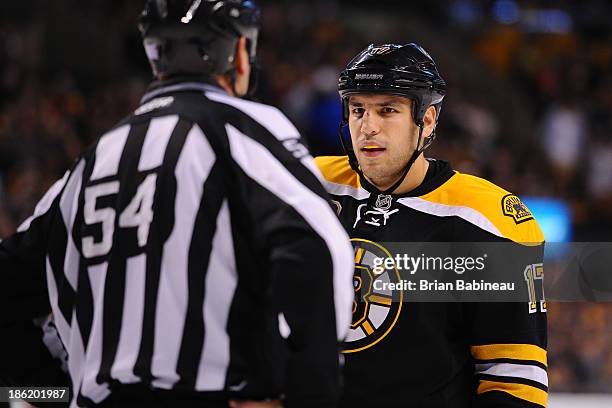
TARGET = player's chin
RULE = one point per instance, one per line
(373, 171)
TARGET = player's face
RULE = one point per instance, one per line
(384, 135)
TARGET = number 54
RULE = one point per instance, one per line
(138, 213)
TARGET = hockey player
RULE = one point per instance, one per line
(404, 354)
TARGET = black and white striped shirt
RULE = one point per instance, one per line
(173, 248)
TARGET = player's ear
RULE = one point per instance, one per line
(429, 121)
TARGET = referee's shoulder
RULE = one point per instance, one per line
(490, 206)
(268, 116)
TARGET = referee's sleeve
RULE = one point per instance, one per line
(25, 359)
(312, 264)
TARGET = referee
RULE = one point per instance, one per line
(190, 256)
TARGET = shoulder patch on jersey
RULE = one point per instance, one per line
(513, 207)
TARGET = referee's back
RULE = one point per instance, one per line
(190, 254)
(181, 248)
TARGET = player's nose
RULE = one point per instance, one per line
(370, 125)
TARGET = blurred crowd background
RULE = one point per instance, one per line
(529, 106)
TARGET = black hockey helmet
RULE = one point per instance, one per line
(404, 70)
(197, 37)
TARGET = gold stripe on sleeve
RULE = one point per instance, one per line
(513, 351)
(522, 391)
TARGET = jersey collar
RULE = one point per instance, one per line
(438, 173)
(165, 87)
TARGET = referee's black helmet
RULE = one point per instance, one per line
(197, 37)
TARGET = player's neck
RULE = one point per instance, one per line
(415, 176)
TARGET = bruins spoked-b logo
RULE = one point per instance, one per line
(512, 206)
(375, 309)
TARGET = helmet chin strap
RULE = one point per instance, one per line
(348, 148)
(408, 166)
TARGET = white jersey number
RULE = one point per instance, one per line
(138, 214)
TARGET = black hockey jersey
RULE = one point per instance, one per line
(440, 354)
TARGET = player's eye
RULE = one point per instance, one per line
(357, 111)
(388, 109)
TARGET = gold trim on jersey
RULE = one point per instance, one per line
(511, 351)
(339, 178)
(336, 169)
(489, 200)
(522, 391)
